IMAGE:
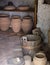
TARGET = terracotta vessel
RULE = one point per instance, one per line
(40, 59)
(27, 24)
(10, 6)
(16, 24)
(4, 22)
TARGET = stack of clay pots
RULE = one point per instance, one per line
(27, 24)
(31, 44)
(40, 59)
(16, 24)
(4, 22)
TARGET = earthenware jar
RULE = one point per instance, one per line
(27, 24)
(39, 59)
(16, 24)
(4, 22)
(10, 6)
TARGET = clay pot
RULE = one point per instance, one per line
(31, 44)
(27, 59)
(23, 7)
(16, 24)
(4, 22)
(10, 6)
(36, 31)
(27, 24)
(39, 59)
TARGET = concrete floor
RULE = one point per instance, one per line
(8, 44)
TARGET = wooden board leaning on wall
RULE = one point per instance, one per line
(49, 37)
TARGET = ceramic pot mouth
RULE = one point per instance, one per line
(27, 17)
(16, 17)
(4, 15)
(40, 55)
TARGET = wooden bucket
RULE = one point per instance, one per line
(31, 44)
(27, 24)
(4, 22)
(16, 24)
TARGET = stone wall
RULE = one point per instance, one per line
(43, 18)
(18, 2)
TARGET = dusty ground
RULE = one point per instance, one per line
(8, 43)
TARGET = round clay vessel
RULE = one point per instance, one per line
(16, 24)
(27, 24)
(39, 59)
(4, 22)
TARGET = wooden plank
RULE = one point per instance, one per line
(49, 38)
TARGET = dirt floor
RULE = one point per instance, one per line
(10, 42)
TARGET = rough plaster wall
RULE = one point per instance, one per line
(18, 2)
(43, 18)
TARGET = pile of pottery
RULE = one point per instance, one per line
(16, 23)
(11, 7)
(38, 59)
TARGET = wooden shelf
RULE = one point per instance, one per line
(31, 10)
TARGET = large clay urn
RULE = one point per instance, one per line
(27, 24)
(4, 22)
(16, 24)
(40, 59)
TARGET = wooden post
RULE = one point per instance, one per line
(35, 13)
